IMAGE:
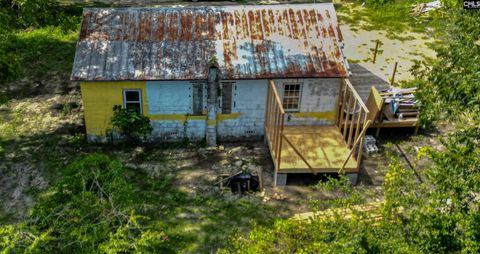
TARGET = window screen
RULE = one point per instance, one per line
(132, 100)
(291, 96)
(227, 98)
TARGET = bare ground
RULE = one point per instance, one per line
(45, 127)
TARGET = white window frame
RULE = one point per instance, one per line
(299, 96)
(139, 91)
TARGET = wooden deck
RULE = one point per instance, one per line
(335, 148)
(323, 147)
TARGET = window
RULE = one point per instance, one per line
(132, 100)
(291, 96)
(226, 97)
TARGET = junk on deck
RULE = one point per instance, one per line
(241, 182)
(393, 108)
(400, 104)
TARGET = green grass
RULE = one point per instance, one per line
(394, 18)
(45, 51)
(197, 223)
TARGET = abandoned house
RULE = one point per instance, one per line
(227, 73)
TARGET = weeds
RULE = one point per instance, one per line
(393, 17)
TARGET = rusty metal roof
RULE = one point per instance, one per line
(247, 42)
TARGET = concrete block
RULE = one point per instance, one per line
(353, 178)
(280, 179)
(370, 140)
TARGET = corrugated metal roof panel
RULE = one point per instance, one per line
(248, 42)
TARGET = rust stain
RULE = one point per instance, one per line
(266, 22)
(339, 33)
(211, 26)
(84, 26)
(245, 28)
(225, 23)
(186, 26)
(177, 43)
(300, 24)
(281, 26)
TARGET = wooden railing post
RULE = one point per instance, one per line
(344, 98)
(275, 117)
(347, 116)
(282, 119)
(350, 132)
(347, 125)
(359, 139)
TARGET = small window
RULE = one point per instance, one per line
(132, 100)
(291, 96)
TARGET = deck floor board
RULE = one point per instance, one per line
(322, 146)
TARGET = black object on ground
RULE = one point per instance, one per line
(242, 182)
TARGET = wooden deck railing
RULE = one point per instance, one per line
(274, 121)
(352, 119)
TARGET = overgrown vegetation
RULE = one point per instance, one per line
(98, 204)
(37, 40)
(440, 214)
(131, 125)
(393, 16)
(92, 209)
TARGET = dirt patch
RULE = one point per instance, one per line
(198, 171)
(411, 46)
(19, 181)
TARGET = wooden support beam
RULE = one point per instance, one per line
(360, 101)
(393, 74)
(282, 120)
(299, 154)
(357, 130)
(376, 50)
(359, 139)
(277, 97)
(347, 117)
(341, 113)
(360, 147)
(339, 102)
(352, 121)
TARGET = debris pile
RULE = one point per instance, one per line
(241, 182)
(400, 104)
(422, 8)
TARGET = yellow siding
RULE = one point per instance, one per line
(99, 99)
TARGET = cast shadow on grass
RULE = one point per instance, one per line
(200, 222)
(45, 58)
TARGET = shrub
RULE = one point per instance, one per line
(129, 124)
(10, 67)
(89, 211)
